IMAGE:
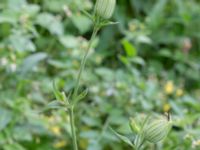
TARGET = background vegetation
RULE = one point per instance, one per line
(149, 62)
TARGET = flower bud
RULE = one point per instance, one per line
(156, 130)
(134, 126)
(105, 8)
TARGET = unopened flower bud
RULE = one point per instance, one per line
(105, 8)
(156, 130)
(134, 126)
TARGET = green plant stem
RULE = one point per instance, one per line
(72, 124)
(75, 93)
(83, 62)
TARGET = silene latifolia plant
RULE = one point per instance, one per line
(103, 11)
(152, 129)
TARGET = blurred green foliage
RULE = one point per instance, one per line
(149, 62)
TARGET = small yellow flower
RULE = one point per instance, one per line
(179, 92)
(56, 130)
(166, 107)
(60, 144)
(169, 87)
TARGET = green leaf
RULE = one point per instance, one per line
(21, 42)
(52, 23)
(134, 125)
(31, 61)
(55, 105)
(138, 60)
(22, 133)
(8, 17)
(69, 41)
(57, 93)
(87, 15)
(54, 6)
(5, 118)
(123, 138)
(14, 146)
(82, 23)
(107, 23)
(124, 59)
(16, 5)
(129, 48)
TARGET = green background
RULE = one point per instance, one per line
(147, 63)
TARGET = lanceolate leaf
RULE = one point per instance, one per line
(87, 14)
(57, 93)
(123, 138)
(106, 23)
(56, 105)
